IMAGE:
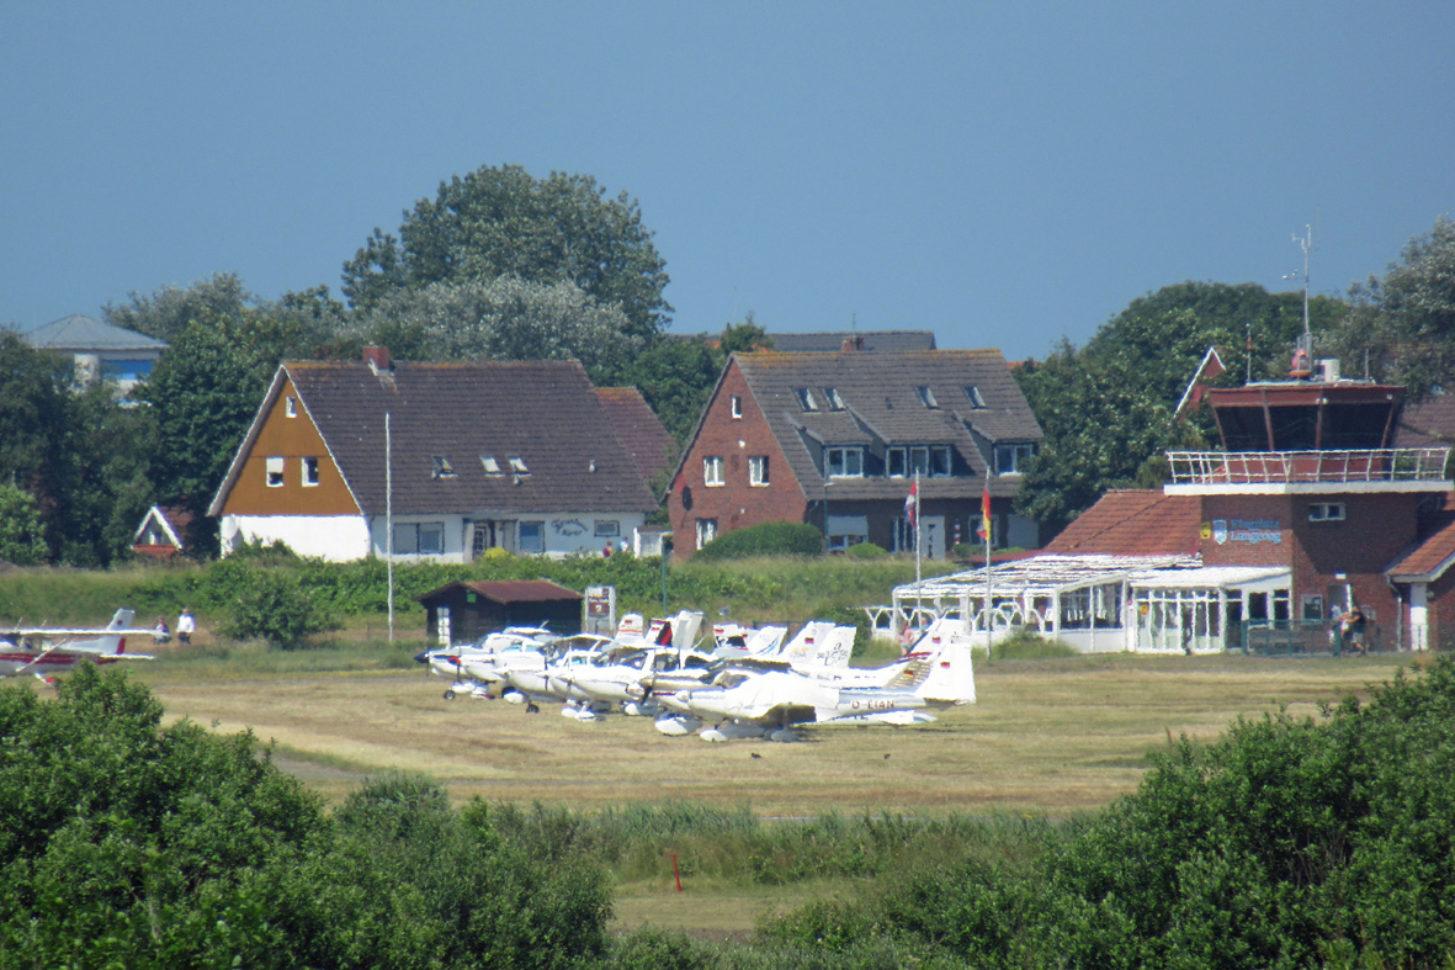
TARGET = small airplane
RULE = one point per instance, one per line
(44, 651)
(744, 703)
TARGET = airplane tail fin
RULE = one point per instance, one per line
(951, 675)
(115, 642)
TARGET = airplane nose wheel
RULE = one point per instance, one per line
(449, 695)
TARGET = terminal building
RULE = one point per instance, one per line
(1309, 506)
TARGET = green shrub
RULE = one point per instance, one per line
(768, 539)
(274, 606)
(865, 550)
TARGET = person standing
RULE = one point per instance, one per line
(1356, 620)
(185, 626)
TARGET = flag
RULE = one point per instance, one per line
(909, 503)
(985, 513)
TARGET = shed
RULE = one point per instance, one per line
(460, 612)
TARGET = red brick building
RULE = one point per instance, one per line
(837, 439)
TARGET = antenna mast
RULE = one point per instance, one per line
(1307, 245)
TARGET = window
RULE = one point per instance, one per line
(845, 531)
(927, 396)
(491, 466)
(831, 394)
(275, 471)
(806, 399)
(712, 470)
(608, 527)
(310, 471)
(290, 406)
(919, 460)
(532, 537)
(736, 407)
(1011, 458)
(758, 470)
(517, 466)
(896, 462)
(973, 393)
(442, 467)
(419, 538)
(706, 531)
(844, 462)
(1326, 512)
(1313, 608)
(939, 461)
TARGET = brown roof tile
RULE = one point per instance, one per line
(639, 429)
(1133, 522)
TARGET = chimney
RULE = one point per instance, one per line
(852, 344)
(377, 358)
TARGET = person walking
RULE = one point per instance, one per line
(186, 625)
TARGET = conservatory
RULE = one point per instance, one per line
(1149, 604)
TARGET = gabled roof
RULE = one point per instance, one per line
(78, 333)
(1133, 522)
(175, 521)
(883, 407)
(639, 429)
(509, 591)
(832, 341)
(544, 413)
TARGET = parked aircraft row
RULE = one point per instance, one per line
(46, 650)
(750, 683)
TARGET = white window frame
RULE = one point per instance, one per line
(897, 454)
(836, 403)
(290, 406)
(758, 470)
(806, 398)
(419, 538)
(735, 407)
(607, 527)
(491, 466)
(308, 471)
(713, 475)
(706, 531)
(843, 462)
(977, 400)
(518, 467)
(274, 471)
(1018, 452)
(927, 396)
(1326, 511)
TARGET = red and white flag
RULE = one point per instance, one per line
(910, 502)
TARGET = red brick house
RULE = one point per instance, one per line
(836, 440)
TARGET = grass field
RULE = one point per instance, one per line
(1047, 738)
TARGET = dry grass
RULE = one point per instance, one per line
(1050, 737)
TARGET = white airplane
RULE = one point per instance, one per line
(455, 661)
(44, 651)
(742, 703)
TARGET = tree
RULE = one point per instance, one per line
(272, 606)
(1404, 324)
(675, 376)
(1107, 409)
(505, 318)
(22, 540)
(503, 222)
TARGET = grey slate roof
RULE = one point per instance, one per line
(882, 407)
(78, 333)
(873, 340)
(544, 412)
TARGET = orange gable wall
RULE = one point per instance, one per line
(292, 439)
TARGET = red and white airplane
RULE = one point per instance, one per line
(45, 651)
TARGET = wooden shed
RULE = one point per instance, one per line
(464, 611)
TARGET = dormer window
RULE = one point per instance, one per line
(442, 467)
(927, 396)
(517, 466)
(806, 399)
(831, 394)
(1011, 458)
(491, 466)
(973, 393)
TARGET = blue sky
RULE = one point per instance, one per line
(1004, 174)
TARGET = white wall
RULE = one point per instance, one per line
(337, 538)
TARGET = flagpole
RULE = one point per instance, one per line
(985, 527)
(916, 536)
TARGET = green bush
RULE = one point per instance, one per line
(768, 539)
(274, 606)
(865, 550)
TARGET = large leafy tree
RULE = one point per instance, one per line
(506, 318)
(22, 540)
(504, 222)
(1403, 326)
